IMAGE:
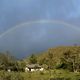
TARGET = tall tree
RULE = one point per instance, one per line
(33, 59)
(72, 58)
(6, 60)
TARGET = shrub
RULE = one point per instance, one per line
(41, 73)
(60, 79)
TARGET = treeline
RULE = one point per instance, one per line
(63, 57)
(7, 61)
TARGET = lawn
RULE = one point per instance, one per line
(46, 75)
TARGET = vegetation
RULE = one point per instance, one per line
(32, 59)
(61, 57)
(60, 63)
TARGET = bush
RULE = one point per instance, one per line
(60, 79)
(10, 76)
(41, 73)
(17, 76)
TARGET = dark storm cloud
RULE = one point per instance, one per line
(38, 37)
(13, 12)
(26, 40)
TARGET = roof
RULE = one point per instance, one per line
(33, 66)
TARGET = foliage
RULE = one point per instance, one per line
(59, 63)
(33, 59)
(6, 61)
(56, 75)
(66, 57)
(10, 76)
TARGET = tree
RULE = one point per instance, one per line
(21, 65)
(50, 59)
(71, 59)
(33, 59)
(6, 60)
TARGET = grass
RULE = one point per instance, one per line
(55, 75)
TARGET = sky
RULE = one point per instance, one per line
(24, 39)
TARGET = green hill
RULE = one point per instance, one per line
(60, 57)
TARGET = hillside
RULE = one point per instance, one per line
(59, 57)
(59, 63)
(59, 51)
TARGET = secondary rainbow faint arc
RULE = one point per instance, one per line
(39, 21)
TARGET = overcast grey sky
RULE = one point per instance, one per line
(40, 36)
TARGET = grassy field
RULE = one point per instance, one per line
(46, 75)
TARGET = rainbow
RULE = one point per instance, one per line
(40, 21)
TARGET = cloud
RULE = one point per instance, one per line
(39, 36)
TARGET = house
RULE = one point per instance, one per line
(33, 67)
